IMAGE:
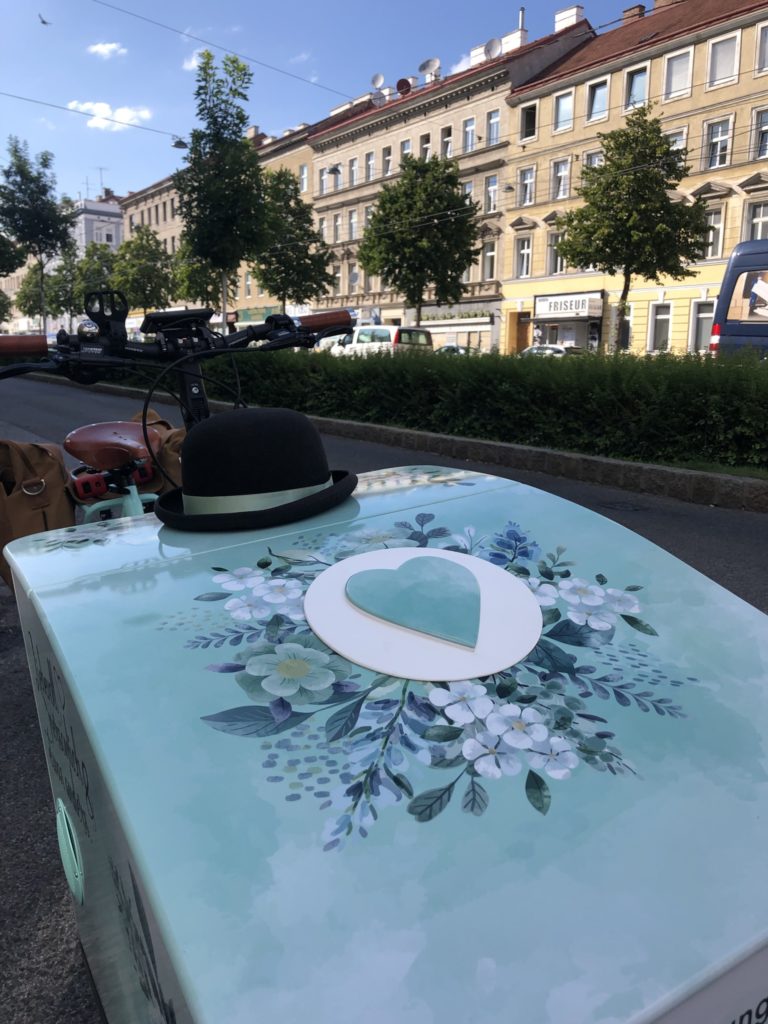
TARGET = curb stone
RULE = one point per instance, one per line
(696, 486)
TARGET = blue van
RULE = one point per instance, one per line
(741, 313)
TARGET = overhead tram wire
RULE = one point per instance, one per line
(87, 113)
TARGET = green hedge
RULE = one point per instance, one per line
(652, 409)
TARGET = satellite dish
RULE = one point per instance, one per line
(378, 99)
(429, 66)
(492, 49)
(378, 80)
(403, 86)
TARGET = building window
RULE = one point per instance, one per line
(723, 61)
(597, 100)
(758, 221)
(369, 167)
(336, 274)
(718, 143)
(446, 142)
(523, 256)
(141, 215)
(425, 146)
(761, 135)
(405, 149)
(468, 188)
(526, 186)
(165, 211)
(491, 194)
(321, 227)
(528, 119)
(560, 179)
(352, 277)
(703, 316)
(636, 87)
(489, 261)
(762, 49)
(661, 317)
(555, 262)
(386, 161)
(108, 237)
(367, 215)
(248, 280)
(563, 112)
(352, 224)
(131, 223)
(337, 173)
(594, 159)
(337, 227)
(677, 75)
(173, 207)
(677, 138)
(303, 181)
(157, 213)
(323, 181)
(352, 166)
(173, 243)
(714, 233)
(492, 128)
(468, 135)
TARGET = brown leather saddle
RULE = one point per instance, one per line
(105, 446)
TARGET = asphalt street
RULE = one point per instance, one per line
(43, 979)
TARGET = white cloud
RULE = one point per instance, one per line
(300, 58)
(461, 65)
(193, 61)
(126, 116)
(107, 50)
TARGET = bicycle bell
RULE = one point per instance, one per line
(87, 330)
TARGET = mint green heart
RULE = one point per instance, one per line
(430, 595)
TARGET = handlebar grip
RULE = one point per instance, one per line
(23, 345)
(330, 318)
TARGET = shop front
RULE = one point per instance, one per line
(569, 319)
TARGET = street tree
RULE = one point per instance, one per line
(423, 233)
(11, 256)
(96, 269)
(295, 266)
(221, 189)
(35, 296)
(64, 293)
(30, 213)
(143, 270)
(196, 280)
(630, 224)
(5, 307)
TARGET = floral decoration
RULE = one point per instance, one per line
(355, 742)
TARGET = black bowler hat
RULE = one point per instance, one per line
(251, 468)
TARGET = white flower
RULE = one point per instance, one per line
(373, 538)
(291, 668)
(487, 759)
(545, 593)
(278, 590)
(462, 702)
(622, 603)
(239, 579)
(556, 758)
(517, 727)
(248, 607)
(588, 604)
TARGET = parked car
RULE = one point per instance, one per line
(339, 338)
(553, 350)
(741, 312)
(374, 338)
(451, 350)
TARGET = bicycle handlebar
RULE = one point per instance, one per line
(23, 345)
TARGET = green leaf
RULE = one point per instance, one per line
(602, 580)
(212, 597)
(442, 733)
(633, 588)
(639, 625)
(430, 803)
(343, 721)
(400, 781)
(550, 616)
(537, 792)
(475, 799)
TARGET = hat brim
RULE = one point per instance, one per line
(169, 509)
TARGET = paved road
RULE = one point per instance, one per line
(42, 980)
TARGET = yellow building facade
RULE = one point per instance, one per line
(703, 64)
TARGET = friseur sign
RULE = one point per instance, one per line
(578, 304)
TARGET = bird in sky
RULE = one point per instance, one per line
(42, 20)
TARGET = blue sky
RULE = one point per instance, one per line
(108, 58)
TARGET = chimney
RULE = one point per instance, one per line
(663, 3)
(568, 16)
(633, 13)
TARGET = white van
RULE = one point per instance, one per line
(383, 338)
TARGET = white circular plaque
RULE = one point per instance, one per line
(510, 621)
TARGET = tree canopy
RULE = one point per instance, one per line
(423, 233)
(195, 280)
(295, 266)
(5, 307)
(221, 189)
(143, 270)
(629, 223)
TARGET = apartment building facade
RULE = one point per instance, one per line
(703, 65)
